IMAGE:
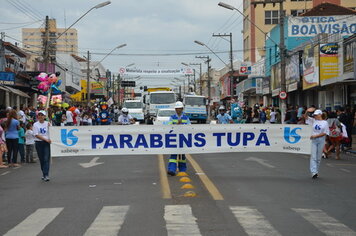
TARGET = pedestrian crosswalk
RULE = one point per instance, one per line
(181, 220)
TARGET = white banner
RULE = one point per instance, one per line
(311, 26)
(179, 139)
(156, 72)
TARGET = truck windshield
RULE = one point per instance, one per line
(133, 105)
(166, 113)
(195, 101)
(162, 98)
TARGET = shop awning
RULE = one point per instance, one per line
(16, 91)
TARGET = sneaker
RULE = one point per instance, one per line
(46, 178)
(315, 176)
(43, 178)
(324, 156)
(171, 173)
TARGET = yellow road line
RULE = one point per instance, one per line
(166, 191)
(214, 192)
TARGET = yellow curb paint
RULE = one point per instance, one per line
(187, 186)
(210, 186)
(190, 194)
(182, 174)
(166, 191)
(185, 179)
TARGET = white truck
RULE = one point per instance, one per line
(135, 108)
(195, 108)
(158, 100)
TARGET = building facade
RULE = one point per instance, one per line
(32, 39)
(266, 17)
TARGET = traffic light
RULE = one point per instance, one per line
(125, 83)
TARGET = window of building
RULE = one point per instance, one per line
(296, 12)
(71, 33)
(272, 17)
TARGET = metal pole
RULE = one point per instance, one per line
(232, 70)
(46, 44)
(283, 59)
(209, 86)
(2, 52)
(88, 78)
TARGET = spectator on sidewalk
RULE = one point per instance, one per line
(30, 143)
(12, 138)
(21, 146)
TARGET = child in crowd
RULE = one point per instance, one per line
(3, 148)
(21, 144)
(30, 144)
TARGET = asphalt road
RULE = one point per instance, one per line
(233, 194)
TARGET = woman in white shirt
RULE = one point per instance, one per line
(320, 130)
(43, 143)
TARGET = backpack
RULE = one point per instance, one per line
(334, 131)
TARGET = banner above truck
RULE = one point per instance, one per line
(155, 72)
(311, 26)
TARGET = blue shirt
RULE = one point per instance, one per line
(12, 132)
(174, 119)
(224, 119)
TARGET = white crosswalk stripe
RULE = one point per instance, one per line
(180, 221)
(108, 222)
(324, 222)
(35, 223)
(253, 222)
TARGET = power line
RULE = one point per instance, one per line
(14, 4)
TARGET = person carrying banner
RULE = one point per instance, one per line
(320, 131)
(178, 119)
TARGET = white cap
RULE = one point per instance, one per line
(125, 110)
(42, 112)
(179, 105)
(317, 112)
(221, 107)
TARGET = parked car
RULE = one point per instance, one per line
(163, 116)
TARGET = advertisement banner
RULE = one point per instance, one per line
(276, 79)
(311, 26)
(349, 58)
(155, 72)
(292, 72)
(179, 139)
(310, 66)
(329, 68)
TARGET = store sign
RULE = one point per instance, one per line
(311, 26)
(276, 77)
(259, 85)
(7, 78)
(310, 66)
(329, 68)
(245, 68)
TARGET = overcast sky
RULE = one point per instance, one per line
(146, 26)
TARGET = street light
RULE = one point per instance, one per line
(203, 44)
(94, 7)
(89, 70)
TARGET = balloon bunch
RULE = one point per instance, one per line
(49, 82)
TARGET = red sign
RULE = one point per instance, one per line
(283, 95)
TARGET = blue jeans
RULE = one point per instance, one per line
(44, 154)
(172, 163)
(316, 153)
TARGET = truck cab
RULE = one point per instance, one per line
(195, 108)
(158, 100)
(135, 108)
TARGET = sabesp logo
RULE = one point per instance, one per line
(65, 136)
(291, 134)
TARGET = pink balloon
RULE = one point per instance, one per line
(43, 86)
(42, 76)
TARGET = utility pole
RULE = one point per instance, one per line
(119, 89)
(195, 86)
(200, 81)
(46, 45)
(231, 62)
(88, 78)
(2, 52)
(282, 49)
(209, 82)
